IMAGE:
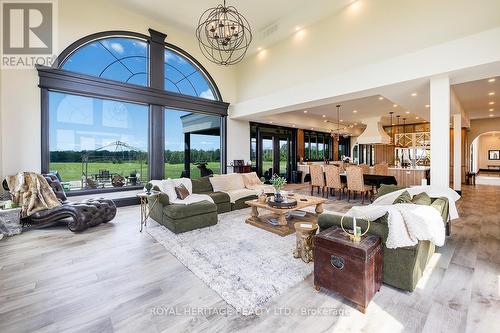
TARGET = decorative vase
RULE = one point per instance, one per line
(262, 197)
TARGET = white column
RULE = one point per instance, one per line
(457, 152)
(440, 131)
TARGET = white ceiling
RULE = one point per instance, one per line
(270, 21)
(475, 99)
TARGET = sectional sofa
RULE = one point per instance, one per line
(228, 192)
(402, 267)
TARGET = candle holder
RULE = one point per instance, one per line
(355, 235)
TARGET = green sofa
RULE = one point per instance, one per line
(401, 267)
(181, 218)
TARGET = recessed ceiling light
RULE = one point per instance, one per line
(417, 117)
(324, 116)
(312, 128)
(380, 98)
(325, 121)
(297, 28)
(393, 124)
(491, 115)
(491, 80)
(354, 111)
(341, 120)
(270, 122)
(305, 111)
(259, 48)
(414, 94)
(427, 106)
(491, 103)
(491, 110)
(407, 112)
(395, 106)
(491, 93)
(293, 125)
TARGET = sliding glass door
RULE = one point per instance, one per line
(192, 144)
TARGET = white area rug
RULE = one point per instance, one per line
(245, 265)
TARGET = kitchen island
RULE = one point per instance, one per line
(410, 176)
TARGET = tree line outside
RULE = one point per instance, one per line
(70, 165)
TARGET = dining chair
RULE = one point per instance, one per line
(355, 183)
(317, 178)
(333, 180)
(381, 169)
(365, 168)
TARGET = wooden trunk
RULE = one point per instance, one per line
(353, 270)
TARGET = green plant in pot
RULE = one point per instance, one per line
(148, 188)
(278, 184)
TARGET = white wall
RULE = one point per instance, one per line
(381, 43)
(487, 142)
(238, 140)
(20, 97)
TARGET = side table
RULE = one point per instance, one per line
(148, 202)
(352, 269)
(305, 232)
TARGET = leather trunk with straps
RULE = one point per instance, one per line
(352, 269)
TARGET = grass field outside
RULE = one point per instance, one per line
(72, 171)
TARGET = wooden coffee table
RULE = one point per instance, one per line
(284, 227)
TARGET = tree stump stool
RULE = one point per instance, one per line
(305, 232)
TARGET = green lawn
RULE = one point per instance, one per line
(73, 171)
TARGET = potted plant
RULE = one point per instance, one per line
(278, 184)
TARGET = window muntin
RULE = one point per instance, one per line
(191, 138)
(115, 58)
(182, 76)
(92, 140)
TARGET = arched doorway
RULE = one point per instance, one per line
(484, 157)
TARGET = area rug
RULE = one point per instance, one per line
(245, 265)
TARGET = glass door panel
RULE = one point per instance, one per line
(284, 158)
(267, 157)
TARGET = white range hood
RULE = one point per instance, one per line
(374, 133)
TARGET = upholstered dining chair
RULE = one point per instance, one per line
(333, 181)
(381, 169)
(317, 178)
(355, 183)
(365, 168)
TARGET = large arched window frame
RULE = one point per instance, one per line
(154, 94)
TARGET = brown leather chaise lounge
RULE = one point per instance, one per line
(78, 215)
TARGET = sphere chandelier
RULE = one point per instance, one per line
(224, 35)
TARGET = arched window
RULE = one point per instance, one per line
(120, 108)
(116, 58)
(184, 77)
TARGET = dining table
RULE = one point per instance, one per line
(373, 180)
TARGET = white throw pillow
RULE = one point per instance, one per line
(229, 182)
(166, 186)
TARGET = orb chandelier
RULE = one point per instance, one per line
(224, 35)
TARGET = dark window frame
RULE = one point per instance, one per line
(56, 79)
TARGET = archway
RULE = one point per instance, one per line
(485, 157)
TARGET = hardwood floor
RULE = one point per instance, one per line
(113, 278)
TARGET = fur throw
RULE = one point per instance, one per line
(31, 192)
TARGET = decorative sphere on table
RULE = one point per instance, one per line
(148, 188)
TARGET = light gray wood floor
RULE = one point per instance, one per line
(113, 278)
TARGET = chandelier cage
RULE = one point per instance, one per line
(224, 35)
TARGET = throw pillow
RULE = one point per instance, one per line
(421, 199)
(182, 192)
(404, 197)
(386, 189)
